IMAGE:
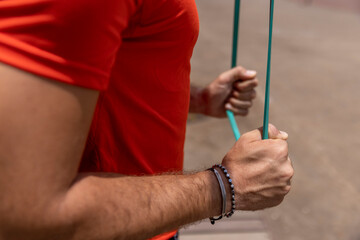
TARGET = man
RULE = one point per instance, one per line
(127, 64)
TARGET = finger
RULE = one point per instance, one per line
(256, 135)
(236, 74)
(252, 136)
(236, 111)
(286, 189)
(245, 86)
(239, 103)
(249, 95)
(274, 133)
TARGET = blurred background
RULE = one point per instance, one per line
(315, 88)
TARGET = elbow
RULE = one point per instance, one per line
(26, 222)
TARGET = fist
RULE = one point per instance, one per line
(261, 170)
(232, 90)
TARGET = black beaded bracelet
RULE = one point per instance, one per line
(227, 175)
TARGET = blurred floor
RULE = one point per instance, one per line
(348, 5)
(245, 225)
(314, 96)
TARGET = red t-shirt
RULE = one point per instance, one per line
(139, 123)
(136, 52)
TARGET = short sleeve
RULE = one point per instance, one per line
(70, 41)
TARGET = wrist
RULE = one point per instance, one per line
(224, 193)
(197, 103)
(215, 195)
(229, 200)
(212, 194)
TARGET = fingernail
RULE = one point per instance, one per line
(250, 72)
(228, 106)
(284, 134)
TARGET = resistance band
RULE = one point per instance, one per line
(267, 88)
(229, 113)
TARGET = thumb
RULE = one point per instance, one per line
(236, 74)
(256, 135)
(274, 133)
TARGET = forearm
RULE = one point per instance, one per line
(100, 206)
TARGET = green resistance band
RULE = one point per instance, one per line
(267, 88)
(229, 113)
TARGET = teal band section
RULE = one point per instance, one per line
(233, 124)
(230, 114)
(267, 88)
(235, 33)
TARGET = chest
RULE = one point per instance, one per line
(164, 20)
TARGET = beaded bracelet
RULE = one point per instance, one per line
(223, 194)
(227, 175)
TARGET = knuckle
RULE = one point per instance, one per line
(240, 69)
(273, 131)
(278, 151)
(290, 172)
(272, 127)
(286, 189)
(283, 148)
(222, 77)
(287, 173)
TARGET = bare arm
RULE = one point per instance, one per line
(43, 128)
